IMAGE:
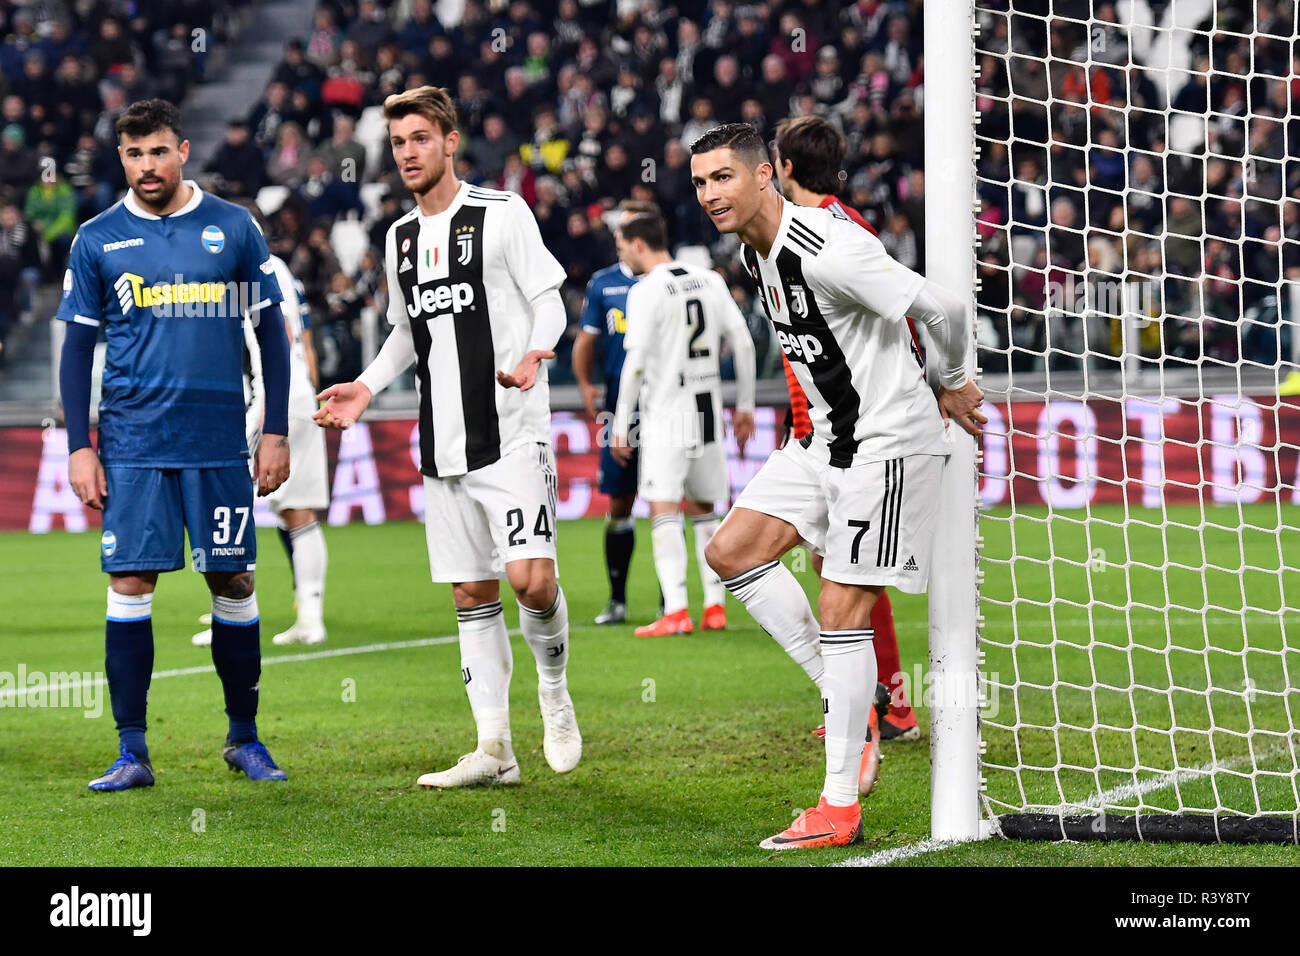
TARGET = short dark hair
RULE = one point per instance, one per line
(149, 116)
(648, 227)
(741, 138)
(815, 150)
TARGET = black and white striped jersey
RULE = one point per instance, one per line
(838, 304)
(677, 317)
(462, 280)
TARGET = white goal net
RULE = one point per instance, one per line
(1138, 193)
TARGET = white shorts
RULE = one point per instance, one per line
(669, 473)
(308, 485)
(477, 523)
(874, 522)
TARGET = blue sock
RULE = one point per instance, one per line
(128, 663)
(237, 654)
(287, 540)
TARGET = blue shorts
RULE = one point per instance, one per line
(615, 479)
(148, 511)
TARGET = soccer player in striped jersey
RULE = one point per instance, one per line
(677, 316)
(861, 487)
(473, 292)
(809, 152)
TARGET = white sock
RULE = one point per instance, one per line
(310, 559)
(714, 592)
(485, 666)
(668, 533)
(846, 694)
(547, 633)
(772, 595)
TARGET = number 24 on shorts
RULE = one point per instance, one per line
(515, 525)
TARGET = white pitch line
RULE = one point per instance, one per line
(13, 694)
(895, 854)
(1125, 791)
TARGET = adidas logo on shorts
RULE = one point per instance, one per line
(911, 564)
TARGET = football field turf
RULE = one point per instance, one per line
(695, 748)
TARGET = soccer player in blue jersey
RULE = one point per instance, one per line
(604, 319)
(168, 273)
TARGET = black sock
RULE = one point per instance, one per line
(237, 655)
(128, 665)
(620, 539)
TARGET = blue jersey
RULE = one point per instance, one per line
(171, 293)
(605, 314)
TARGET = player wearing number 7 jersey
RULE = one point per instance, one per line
(860, 488)
(473, 291)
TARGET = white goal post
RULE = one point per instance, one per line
(1115, 599)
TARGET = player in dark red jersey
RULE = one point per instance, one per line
(808, 155)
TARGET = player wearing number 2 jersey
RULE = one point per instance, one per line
(861, 487)
(473, 291)
(677, 316)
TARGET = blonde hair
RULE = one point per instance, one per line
(431, 102)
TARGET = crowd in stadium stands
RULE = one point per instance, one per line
(66, 72)
(1195, 208)
(575, 104)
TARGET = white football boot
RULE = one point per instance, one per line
(298, 634)
(487, 766)
(202, 639)
(561, 741)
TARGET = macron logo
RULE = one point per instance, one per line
(74, 909)
(122, 244)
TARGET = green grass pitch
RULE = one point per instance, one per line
(695, 748)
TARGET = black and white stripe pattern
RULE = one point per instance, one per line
(481, 612)
(697, 519)
(891, 506)
(545, 614)
(855, 635)
(831, 375)
(546, 465)
(667, 519)
(749, 577)
(803, 237)
(475, 193)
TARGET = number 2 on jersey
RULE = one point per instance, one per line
(695, 322)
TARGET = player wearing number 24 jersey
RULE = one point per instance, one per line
(861, 487)
(473, 292)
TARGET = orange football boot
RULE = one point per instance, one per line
(679, 622)
(870, 765)
(715, 618)
(822, 825)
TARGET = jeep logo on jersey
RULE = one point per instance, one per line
(806, 348)
(798, 301)
(464, 244)
(213, 239)
(439, 299)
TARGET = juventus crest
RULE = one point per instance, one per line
(798, 301)
(464, 245)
